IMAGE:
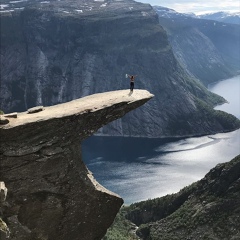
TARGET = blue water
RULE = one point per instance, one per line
(230, 90)
(140, 168)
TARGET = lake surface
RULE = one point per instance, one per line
(140, 168)
(230, 90)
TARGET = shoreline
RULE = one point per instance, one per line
(221, 80)
(165, 137)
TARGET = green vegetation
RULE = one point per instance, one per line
(207, 209)
(122, 229)
(228, 121)
(201, 92)
(1, 112)
(204, 116)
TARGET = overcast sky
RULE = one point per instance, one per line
(197, 6)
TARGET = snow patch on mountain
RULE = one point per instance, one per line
(227, 17)
(170, 13)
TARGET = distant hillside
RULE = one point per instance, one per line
(207, 209)
(222, 17)
(208, 49)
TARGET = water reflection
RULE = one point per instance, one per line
(139, 168)
(155, 171)
(230, 90)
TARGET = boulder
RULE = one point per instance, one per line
(3, 120)
(3, 192)
(35, 109)
(11, 115)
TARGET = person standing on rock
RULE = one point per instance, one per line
(132, 78)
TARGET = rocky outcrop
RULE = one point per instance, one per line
(3, 226)
(53, 52)
(51, 193)
(207, 209)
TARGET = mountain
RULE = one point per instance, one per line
(170, 13)
(225, 17)
(56, 51)
(207, 209)
(208, 49)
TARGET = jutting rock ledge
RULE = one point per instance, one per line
(51, 193)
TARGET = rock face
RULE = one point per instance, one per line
(51, 193)
(54, 51)
(207, 209)
(209, 50)
(3, 226)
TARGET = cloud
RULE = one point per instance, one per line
(197, 6)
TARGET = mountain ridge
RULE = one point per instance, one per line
(51, 55)
(222, 16)
(207, 49)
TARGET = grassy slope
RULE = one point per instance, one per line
(207, 209)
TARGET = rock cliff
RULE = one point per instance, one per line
(207, 49)
(51, 193)
(56, 51)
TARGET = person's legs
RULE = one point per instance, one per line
(131, 86)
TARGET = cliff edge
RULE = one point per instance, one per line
(53, 52)
(51, 193)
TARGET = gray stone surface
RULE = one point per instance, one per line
(4, 230)
(3, 192)
(11, 115)
(35, 109)
(52, 195)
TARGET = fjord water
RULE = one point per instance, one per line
(142, 168)
(230, 90)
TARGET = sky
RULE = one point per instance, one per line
(197, 6)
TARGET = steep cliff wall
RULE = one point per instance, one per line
(53, 52)
(209, 50)
(51, 193)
